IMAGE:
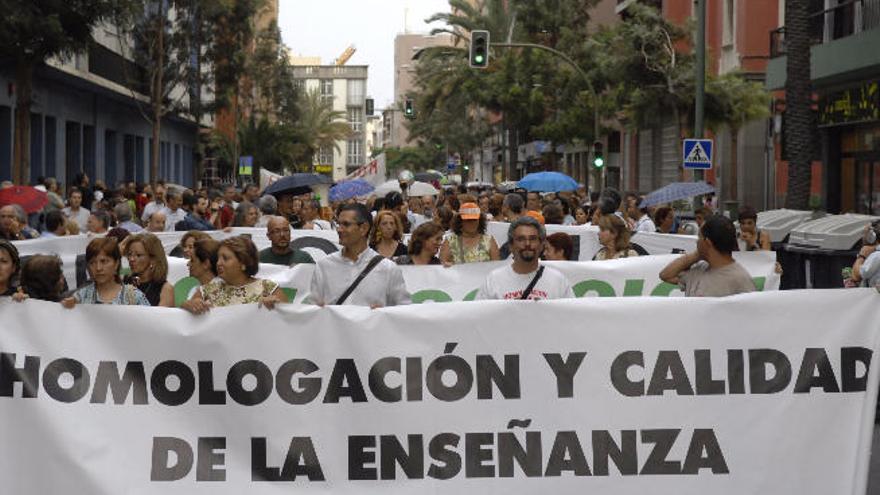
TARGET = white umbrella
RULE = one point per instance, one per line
(382, 190)
(422, 189)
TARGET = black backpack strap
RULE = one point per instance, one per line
(526, 293)
(372, 264)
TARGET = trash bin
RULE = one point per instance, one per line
(820, 249)
(779, 224)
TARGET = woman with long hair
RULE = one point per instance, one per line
(614, 237)
(10, 266)
(469, 242)
(423, 246)
(387, 235)
(149, 268)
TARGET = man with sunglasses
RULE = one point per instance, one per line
(357, 275)
(525, 278)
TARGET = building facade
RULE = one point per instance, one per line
(405, 47)
(845, 73)
(86, 118)
(736, 42)
(346, 87)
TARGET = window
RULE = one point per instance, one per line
(325, 155)
(729, 29)
(355, 153)
(327, 89)
(355, 89)
(356, 119)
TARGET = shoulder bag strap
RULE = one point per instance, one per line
(526, 293)
(373, 262)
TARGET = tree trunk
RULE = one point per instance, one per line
(157, 93)
(799, 118)
(732, 176)
(21, 151)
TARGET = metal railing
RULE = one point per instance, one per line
(844, 19)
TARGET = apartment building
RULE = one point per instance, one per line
(346, 87)
(86, 117)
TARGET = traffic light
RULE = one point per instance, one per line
(598, 156)
(479, 53)
(409, 109)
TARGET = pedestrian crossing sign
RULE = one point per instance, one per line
(697, 153)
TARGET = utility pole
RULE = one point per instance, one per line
(700, 74)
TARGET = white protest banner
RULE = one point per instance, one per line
(626, 396)
(72, 248)
(373, 172)
(267, 178)
(586, 239)
(612, 278)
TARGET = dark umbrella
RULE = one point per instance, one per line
(427, 176)
(29, 198)
(296, 184)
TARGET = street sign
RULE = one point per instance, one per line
(697, 153)
(245, 165)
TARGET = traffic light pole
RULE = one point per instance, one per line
(700, 75)
(583, 75)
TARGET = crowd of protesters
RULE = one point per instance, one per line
(377, 235)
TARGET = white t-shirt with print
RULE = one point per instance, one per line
(504, 283)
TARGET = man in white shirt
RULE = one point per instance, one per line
(309, 216)
(172, 210)
(334, 274)
(156, 205)
(526, 238)
(76, 212)
(157, 222)
(643, 222)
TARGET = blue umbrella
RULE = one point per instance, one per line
(296, 184)
(547, 182)
(350, 189)
(674, 192)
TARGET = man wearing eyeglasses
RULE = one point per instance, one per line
(357, 275)
(525, 278)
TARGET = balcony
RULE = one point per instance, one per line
(843, 20)
(844, 42)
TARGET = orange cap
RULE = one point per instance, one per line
(536, 215)
(469, 211)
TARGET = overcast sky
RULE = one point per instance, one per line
(324, 28)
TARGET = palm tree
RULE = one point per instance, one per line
(799, 119)
(318, 126)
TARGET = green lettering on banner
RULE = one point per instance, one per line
(759, 283)
(664, 289)
(472, 295)
(634, 287)
(434, 295)
(289, 292)
(182, 288)
(602, 289)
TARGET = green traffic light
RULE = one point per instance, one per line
(478, 59)
(598, 162)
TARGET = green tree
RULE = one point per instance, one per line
(33, 31)
(648, 75)
(800, 121)
(160, 48)
(318, 126)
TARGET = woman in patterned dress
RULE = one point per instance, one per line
(237, 265)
